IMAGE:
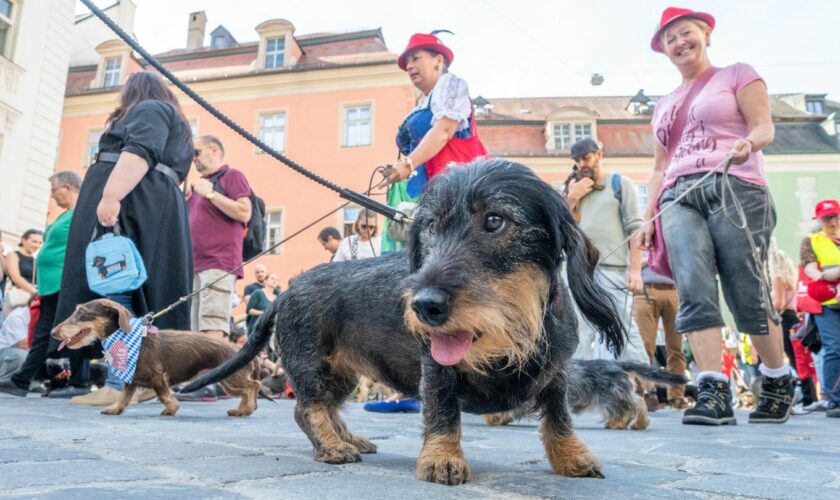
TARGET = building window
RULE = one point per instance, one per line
(357, 126)
(6, 12)
(566, 134)
(583, 131)
(92, 147)
(273, 130)
(111, 75)
(643, 197)
(194, 127)
(349, 220)
(274, 230)
(275, 49)
(815, 106)
(562, 136)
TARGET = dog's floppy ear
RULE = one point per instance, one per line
(581, 260)
(415, 247)
(123, 316)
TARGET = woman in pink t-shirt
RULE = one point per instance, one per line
(716, 113)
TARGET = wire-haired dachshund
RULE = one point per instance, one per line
(167, 357)
(476, 317)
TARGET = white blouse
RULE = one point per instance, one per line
(364, 250)
(450, 99)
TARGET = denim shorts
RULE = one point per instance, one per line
(703, 241)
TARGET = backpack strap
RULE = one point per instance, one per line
(616, 186)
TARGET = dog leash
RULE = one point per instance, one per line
(345, 193)
(759, 271)
(727, 162)
(149, 318)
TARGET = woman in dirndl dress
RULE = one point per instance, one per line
(439, 131)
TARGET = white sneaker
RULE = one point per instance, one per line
(801, 409)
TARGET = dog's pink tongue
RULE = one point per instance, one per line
(449, 349)
(62, 344)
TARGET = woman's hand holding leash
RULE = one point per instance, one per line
(741, 151)
(399, 171)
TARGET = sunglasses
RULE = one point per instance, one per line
(367, 226)
(197, 152)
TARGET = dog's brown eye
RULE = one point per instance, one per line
(493, 223)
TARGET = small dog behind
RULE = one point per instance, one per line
(166, 357)
(604, 385)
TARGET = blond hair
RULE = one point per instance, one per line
(703, 25)
(781, 265)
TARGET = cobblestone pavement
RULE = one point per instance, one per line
(49, 449)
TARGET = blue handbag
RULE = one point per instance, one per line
(113, 264)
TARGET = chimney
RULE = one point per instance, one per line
(195, 31)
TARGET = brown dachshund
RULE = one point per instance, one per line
(166, 357)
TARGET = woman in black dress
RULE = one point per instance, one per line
(147, 128)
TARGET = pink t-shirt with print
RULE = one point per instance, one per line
(712, 127)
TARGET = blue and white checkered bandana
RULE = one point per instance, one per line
(122, 350)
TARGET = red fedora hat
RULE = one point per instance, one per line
(427, 42)
(670, 15)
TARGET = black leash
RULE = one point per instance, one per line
(150, 317)
(345, 193)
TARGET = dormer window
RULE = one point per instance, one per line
(275, 51)
(639, 104)
(115, 56)
(815, 106)
(569, 124)
(111, 75)
(220, 38)
(278, 47)
(482, 106)
(562, 135)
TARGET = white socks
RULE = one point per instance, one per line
(774, 372)
(716, 376)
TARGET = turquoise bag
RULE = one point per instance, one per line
(113, 264)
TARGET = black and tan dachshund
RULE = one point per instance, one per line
(476, 317)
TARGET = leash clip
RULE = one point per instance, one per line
(147, 319)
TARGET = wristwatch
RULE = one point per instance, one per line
(210, 195)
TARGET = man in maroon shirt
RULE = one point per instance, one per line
(220, 208)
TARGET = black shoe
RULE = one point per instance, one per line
(68, 392)
(714, 406)
(10, 387)
(776, 401)
(833, 413)
(205, 394)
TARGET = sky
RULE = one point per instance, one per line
(531, 48)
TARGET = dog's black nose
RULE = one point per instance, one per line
(432, 306)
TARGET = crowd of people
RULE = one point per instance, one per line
(661, 269)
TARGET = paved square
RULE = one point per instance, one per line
(49, 449)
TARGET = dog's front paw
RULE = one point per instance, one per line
(497, 419)
(449, 470)
(236, 412)
(169, 412)
(112, 410)
(345, 453)
(571, 458)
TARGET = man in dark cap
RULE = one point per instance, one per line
(606, 207)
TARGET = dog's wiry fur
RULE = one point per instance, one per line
(606, 385)
(488, 240)
(166, 357)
